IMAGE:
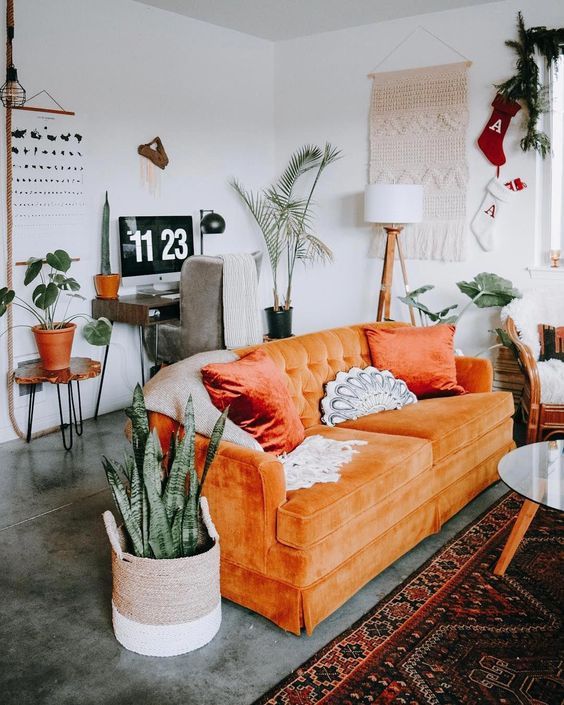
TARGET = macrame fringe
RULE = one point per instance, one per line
(437, 240)
(317, 459)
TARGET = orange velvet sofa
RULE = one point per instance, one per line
(296, 556)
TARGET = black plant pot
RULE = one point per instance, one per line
(279, 322)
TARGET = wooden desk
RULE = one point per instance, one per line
(139, 310)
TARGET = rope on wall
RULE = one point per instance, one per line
(10, 248)
(9, 236)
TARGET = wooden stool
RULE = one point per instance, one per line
(81, 368)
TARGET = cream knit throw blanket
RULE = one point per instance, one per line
(418, 122)
(241, 316)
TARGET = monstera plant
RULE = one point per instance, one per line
(486, 290)
(162, 520)
(53, 332)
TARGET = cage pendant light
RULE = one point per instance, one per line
(12, 93)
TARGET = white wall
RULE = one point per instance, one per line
(132, 72)
(226, 104)
(323, 93)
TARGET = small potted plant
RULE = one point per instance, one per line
(285, 221)
(106, 283)
(54, 334)
(165, 559)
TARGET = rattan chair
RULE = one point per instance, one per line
(543, 420)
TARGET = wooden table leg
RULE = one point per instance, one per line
(522, 523)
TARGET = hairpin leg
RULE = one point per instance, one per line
(78, 425)
(67, 444)
(30, 409)
(101, 382)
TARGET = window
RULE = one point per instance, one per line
(550, 178)
(556, 127)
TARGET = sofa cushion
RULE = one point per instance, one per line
(422, 357)
(379, 468)
(450, 423)
(258, 399)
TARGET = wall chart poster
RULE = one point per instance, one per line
(48, 169)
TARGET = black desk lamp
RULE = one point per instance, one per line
(210, 224)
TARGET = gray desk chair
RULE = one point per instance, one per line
(200, 327)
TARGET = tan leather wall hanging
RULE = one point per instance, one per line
(154, 152)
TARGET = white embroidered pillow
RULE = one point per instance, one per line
(359, 392)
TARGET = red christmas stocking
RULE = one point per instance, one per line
(491, 139)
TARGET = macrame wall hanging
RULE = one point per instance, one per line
(152, 155)
(418, 124)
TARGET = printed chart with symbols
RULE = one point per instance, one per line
(48, 170)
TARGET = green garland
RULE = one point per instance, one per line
(525, 85)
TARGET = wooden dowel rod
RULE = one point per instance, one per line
(23, 264)
(44, 110)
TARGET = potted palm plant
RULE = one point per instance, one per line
(285, 219)
(54, 333)
(165, 560)
(107, 282)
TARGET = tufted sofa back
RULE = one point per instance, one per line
(312, 360)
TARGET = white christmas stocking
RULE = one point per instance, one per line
(483, 223)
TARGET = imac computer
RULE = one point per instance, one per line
(153, 250)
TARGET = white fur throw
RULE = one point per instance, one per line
(317, 459)
(168, 391)
(540, 306)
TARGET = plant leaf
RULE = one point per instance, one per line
(98, 332)
(45, 295)
(65, 283)
(34, 266)
(190, 525)
(213, 446)
(488, 289)
(6, 298)
(122, 502)
(183, 464)
(59, 260)
(140, 426)
(160, 536)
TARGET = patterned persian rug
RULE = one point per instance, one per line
(453, 633)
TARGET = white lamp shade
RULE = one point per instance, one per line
(393, 203)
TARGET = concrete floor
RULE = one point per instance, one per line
(56, 640)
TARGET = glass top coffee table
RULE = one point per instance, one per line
(536, 472)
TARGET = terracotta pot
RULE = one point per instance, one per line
(54, 346)
(107, 285)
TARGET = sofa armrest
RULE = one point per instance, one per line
(475, 374)
(244, 488)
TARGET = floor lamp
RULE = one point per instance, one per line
(393, 205)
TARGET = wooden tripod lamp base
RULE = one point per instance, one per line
(385, 297)
(393, 203)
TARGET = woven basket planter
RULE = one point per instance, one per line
(164, 607)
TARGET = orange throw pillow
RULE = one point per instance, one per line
(422, 357)
(258, 398)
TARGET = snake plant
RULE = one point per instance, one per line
(161, 519)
